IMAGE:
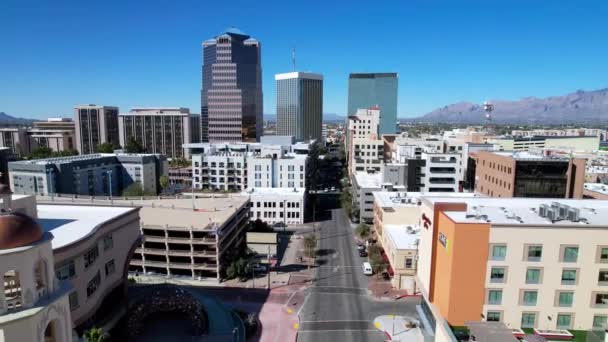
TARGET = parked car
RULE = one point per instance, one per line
(259, 268)
(367, 269)
(362, 253)
(361, 248)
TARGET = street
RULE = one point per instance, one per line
(337, 307)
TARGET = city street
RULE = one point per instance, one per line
(337, 307)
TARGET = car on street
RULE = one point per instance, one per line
(367, 268)
(362, 253)
(259, 268)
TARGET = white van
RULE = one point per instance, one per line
(367, 269)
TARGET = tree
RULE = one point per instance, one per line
(346, 200)
(105, 148)
(94, 335)
(132, 190)
(41, 152)
(239, 268)
(310, 244)
(163, 181)
(376, 260)
(363, 231)
(133, 146)
(260, 227)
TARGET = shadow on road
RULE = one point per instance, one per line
(324, 252)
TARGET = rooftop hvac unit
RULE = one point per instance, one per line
(555, 204)
(563, 210)
(552, 214)
(574, 214)
(542, 210)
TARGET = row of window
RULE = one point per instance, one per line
(563, 320)
(568, 253)
(495, 166)
(273, 214)
(534, 275)
(93, 284)
(274, 204)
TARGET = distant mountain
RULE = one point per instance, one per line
(326, 117)
(579, 107)
(9, 120)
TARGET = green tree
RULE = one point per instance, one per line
(133, 146)
(239, 268)
(133, 190)
(346, 200)
(363, 231)
(163, 181)
(94, 335)
(313, 173)
(41, 152)
(105, 148)
(310, 244)
(376, 260)
(179, 162)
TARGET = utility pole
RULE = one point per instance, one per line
(268, 270)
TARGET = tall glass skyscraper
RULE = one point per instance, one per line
(375, 89)
(299, 105)
(231, 96)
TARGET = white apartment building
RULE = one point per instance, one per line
(442, 172)
(277, 205)
(364, 186)
(274, 163)
(365, 148)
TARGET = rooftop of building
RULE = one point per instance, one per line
(72, 223)
(275, 191)
(404, 236)
(373, 75)
(209, 210)
(545, 137)
(368, 180)
(392, 199)
(525, 155)
(597, 187)
(68, 159)
(526, 211)
(298, 74)
(158, 111)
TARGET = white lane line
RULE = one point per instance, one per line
(335, 330)
(303, 304)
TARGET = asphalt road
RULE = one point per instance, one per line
(337, 307)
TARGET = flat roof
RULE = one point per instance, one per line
(178, 212)
(528, 155)
(274, 191)
(597, 187)
(394, 199)
(368, 180)
(404, 236)
(523, 211)
(69, 159)
(72, 223)
(298, 74)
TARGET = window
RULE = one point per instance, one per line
(603, 254)
(90, 256)
(564, 321)
(108, 242)
(564, 299)
(408, 263)
(493, 316)
(66, 271)
(529, 298)
(601, 299)
(110, 267)
(533, 276)
(534, 253)
(570, 254)
(73, 301)
(568, 277)
(497, 275)
(528, 320)
(499, 252)
(495, 297)
(602, 278)
(93, 284)
(600, 321)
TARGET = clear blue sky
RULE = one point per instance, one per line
(55, 54)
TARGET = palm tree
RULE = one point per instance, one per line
(94, 335)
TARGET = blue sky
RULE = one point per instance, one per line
(55, 54)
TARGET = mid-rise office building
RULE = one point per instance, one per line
(529, 263)
(231, 95)
(365, 149)
(523, 174)
(93, 175)
(15, 139)
(277, 205)
(522, 144)
(58, 134)
(300, 105)
(277, 171)
(95, 125)
(366, 90)
(442, 172)
(159, 130)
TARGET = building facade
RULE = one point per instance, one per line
(364, 147)
(15, 139)
(542, 265)
(522, 174)
(158, 130)
(442, 172)
(300, 105)
(231, 95)
(277, 205)
(93, 175)
(366, 90)
(95, 125)
(58, 134)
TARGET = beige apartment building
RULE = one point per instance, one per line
(95, 125)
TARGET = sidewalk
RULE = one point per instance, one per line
(383, 289)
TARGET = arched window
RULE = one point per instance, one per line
(40, 278)
(12, 290)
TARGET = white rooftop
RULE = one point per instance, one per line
(403, 236)
(392, 199)
(368, 180)
(597, 187)
(528, 155)
(298, 74)
(274, 191)
(523, 211)
(70, 223)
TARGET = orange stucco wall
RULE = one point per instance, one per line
(460, 271)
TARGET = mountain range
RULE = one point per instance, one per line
(9, 120)
(578, 107)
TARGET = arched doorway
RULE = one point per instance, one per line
(50, 333)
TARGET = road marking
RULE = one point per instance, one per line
(303, 304)
(289, 311)
(339, 320)
(296, 326)
(334, 330)
(377, 325)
